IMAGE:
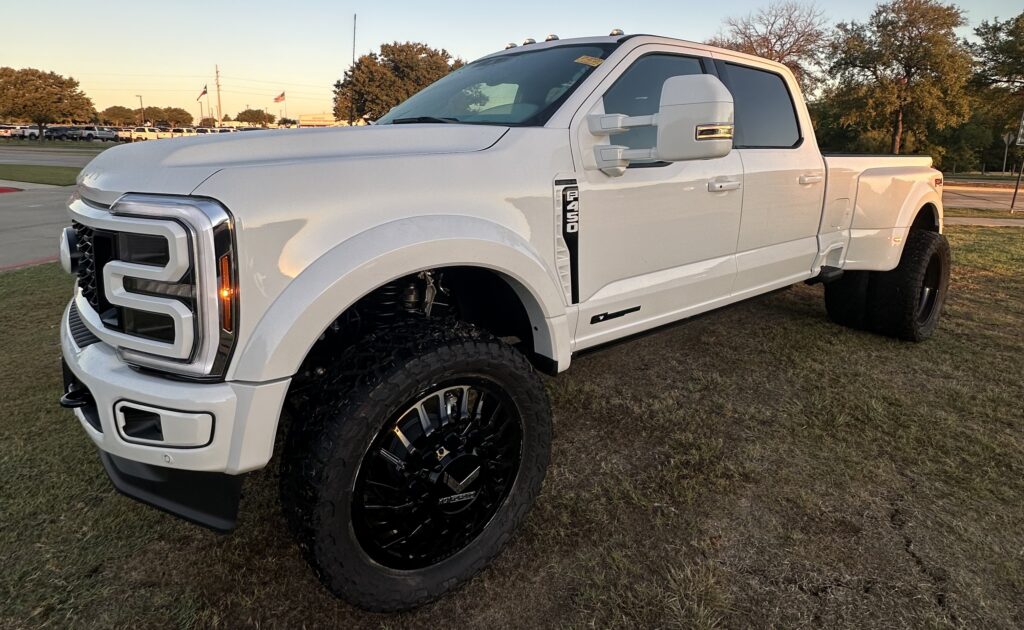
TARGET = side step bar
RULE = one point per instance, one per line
(825, 275)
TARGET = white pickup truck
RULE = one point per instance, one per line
(382, 298)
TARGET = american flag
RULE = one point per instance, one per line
(202, 94)
(279, 97)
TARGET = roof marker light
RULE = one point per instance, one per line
(510, 45)
(550, 38)
(528, 41)
(616, 32)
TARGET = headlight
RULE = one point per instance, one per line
(158, 281)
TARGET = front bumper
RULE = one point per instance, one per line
(241, 434)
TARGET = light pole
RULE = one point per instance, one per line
(142, 110)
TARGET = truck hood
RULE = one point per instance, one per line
(177, 166)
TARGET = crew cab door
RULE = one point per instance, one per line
(784, 178)
(657, 242)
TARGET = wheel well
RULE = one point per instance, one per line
(927, 219)
(475, 295)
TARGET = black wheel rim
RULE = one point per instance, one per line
(436, 474)
(928, 295)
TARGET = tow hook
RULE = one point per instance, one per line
(76, 398)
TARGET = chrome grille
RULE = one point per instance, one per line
(86, 264)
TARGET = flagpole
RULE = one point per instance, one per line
(352, 101)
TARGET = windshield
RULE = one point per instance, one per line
(520, 89)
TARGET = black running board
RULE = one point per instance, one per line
(825, 275)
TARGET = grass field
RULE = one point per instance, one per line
(65, 145)
(56, 175)
(988, 213)
(757, 467)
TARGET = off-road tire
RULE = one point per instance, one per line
(896, 306)
(369, 383)
(846, 299)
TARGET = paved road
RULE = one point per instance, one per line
(29, 224)
(46, 157)
(977, 197)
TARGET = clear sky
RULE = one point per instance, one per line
(167, 52)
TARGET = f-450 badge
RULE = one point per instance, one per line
(570, 232)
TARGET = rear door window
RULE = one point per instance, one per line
(765, 115)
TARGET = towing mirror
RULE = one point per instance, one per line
(694, 121)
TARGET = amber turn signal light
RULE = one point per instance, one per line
(226, 293)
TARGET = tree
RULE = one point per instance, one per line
(906, 67)
(208, 122)
(288, 122)
(255, 117)
(226, 118)
(1001, 52)
(118, 115)
(788, 32)
(42, 97)
(177, 116)
(379, 81)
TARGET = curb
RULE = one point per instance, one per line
(28, 263)
(23, 186)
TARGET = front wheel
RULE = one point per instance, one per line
(423, 454)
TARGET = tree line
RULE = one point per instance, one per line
(45, 98)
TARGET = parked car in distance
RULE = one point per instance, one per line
(7, 131)
(149, 133)
(92, 132)
(179, 132)
(124, 134)
(57, 133)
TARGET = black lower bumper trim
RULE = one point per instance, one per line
(205, 498)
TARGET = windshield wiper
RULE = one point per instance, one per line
(423, 119)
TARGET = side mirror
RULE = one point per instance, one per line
(694, 121)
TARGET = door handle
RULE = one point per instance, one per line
(810, 179)
(719, 186)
